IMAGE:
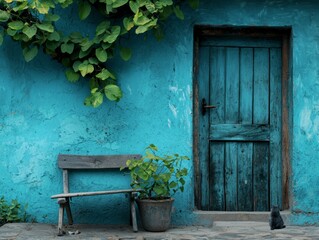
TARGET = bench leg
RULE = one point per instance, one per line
(60, 222)
(133, 212)
(68, 212)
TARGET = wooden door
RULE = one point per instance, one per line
(240, 123)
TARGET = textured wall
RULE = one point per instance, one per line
(41, 114)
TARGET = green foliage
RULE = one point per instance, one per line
(11, 212)
(32, 23)
(159, 176)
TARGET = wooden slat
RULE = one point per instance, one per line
(245, 149)
(261, 116)
(94, 162)
(275, 134)
(240, 42)
(261, 178)
(217, 150)
(231, 176)
(232, 85)
(217, 180)
(203, 76)
(239, 132)
(261, 86)
(65, 176)
(84, 194)
(245, 176)
(246, 86)
(217, 85)
(231, 116)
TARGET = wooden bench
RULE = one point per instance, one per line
(77, 162)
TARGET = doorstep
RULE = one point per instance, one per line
(209, 217)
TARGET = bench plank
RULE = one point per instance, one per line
(66, 161)
(83, 194)
(88, 162)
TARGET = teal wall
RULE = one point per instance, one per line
(41, 114)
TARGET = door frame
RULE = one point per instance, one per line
(284, 33)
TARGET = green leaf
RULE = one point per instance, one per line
(83, 54)
(150, 7)
(30, 31)
(193, 3)
(113, 92)
(71, 75)
(16, 25)
(51, 17)
(167, 11)
(52, 45)
(76, 37)
(48, 27)
(106, 45)
(4, 16)
(182, 181)
(119, 3)
(134, 6)
(141, 29)
(178, 12)
(55, 36)
(11, 32)
(86, 68)
(125, 53)
(105, 74)
(93, 83)
(128, 23)
(30, 53)
(76, 65)
(167, 2)
(84, 9)
(101, 54)
(140, 19)
(93, 61)
(142, 3)
(41, 6)
(86, 44)
(160, 190)
(153, 147)
(173, 184)
(95, 100)
(20, 6)
(67, 48)
(102, 27)
(115, 32)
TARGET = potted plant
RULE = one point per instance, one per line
(160, 177)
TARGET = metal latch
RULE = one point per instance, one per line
(205, 106)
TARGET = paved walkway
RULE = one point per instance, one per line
(220, 230)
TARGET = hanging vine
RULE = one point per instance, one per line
(32, 23)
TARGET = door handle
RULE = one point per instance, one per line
(205, 106)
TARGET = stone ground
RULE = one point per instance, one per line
(219, 230)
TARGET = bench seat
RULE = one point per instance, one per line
(83, 194)
(80, 162)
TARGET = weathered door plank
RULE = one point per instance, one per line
(275, 123)
(217, 115)
(231, 116)
(204, 123)
(239, 132)
(261, 116)
(245, 149)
